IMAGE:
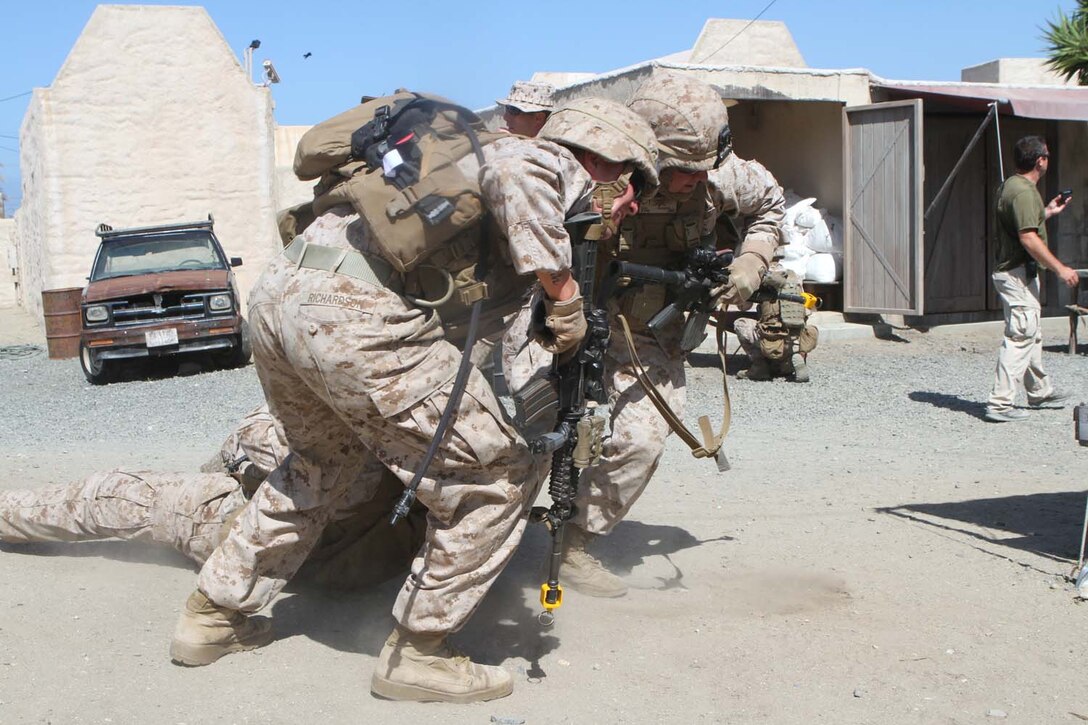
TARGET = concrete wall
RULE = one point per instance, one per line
(151, 119)
(8, 263)
(745, 42)
(1019, 71)
(33, 217)
(289, 190)
(849, 87)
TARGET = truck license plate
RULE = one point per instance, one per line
(161, 338)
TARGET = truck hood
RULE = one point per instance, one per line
(189, 281)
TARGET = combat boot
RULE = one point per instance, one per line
(207, 631)
(758, 370)
(425, 668)
(583, 572)
(800, 368)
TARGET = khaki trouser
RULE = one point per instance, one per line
(188, 512)
(356, 374)
(1020, 357)
(608, 489)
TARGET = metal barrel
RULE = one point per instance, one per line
(62, 321)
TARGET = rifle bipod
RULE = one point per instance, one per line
(551, 591)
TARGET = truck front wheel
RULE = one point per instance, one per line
(97, 371)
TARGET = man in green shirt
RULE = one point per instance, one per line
(1021, 249)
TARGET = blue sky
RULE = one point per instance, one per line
(472, 50)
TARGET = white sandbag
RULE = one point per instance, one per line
(823, 267)
(825, 234)
(818, 238)
(794, 206)
(794, 257)
(795, 237)
(834, 224)
(807, 218)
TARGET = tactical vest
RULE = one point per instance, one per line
(659, 235)
(405, 163)
(782, 322)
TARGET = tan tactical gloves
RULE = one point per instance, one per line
(745, 275)
(564, 325)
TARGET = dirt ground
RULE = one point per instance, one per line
(877, 554)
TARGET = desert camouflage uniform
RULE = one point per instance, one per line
(632, 453)
(742, 193)
(192, 512)
(355, 373)
(738, 190)
(770, 340)
(186, 511)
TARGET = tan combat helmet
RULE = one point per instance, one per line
(608, 129)
(529, 97)
(687, 117)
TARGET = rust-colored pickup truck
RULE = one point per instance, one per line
(160, 291)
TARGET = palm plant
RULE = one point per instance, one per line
(1067, 44)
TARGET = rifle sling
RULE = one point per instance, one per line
(711, 441)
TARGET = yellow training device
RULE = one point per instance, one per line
(555, 595)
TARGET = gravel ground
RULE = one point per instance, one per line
(876, 554)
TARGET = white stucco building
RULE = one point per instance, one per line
(151, 119)
(8, 270)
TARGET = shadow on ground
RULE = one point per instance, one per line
(506, 625)
(1046, 524)
(949, 402)
(127, 551)
(159, 368)
(1064, 348)
(734, 363)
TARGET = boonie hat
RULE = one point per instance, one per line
(530, 97)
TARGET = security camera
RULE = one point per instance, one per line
(270, 74)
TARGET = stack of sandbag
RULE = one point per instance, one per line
(813, 240)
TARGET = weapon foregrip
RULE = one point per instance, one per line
(668, 314)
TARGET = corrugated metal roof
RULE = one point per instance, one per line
(1056, 103)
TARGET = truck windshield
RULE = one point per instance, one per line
(151, 255)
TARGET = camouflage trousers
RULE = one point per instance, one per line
(802, 341)
(192, 514)
(608, 490)
(189, 512)
(357, 375)
(747, 331)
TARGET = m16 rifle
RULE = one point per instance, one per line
(695, 287)
(579, 384)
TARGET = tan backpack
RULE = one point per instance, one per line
(395, 160)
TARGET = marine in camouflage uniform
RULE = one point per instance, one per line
(688, 118)
(192, 512)
(526, 107)
(355, 371)
(779, 342)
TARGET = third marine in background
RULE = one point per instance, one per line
(779, 341)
